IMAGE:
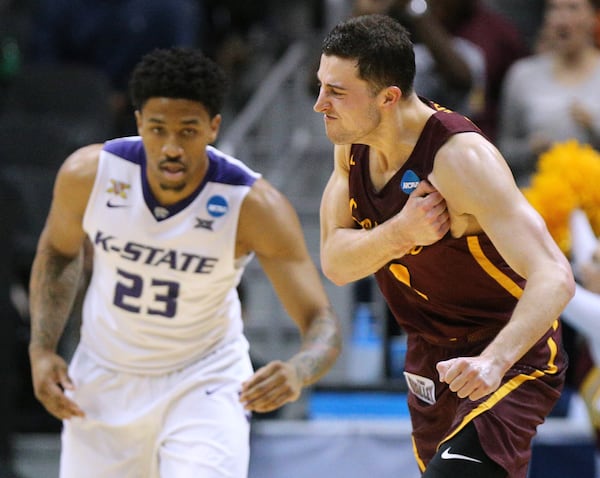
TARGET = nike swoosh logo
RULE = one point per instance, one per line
(210, 391)
(446, 455)
(110, 204)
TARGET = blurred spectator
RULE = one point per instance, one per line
(113, 35)
(496, 36)
(553, 95)
(450, 70)
(527, 20)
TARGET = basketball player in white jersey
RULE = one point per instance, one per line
(161, 383)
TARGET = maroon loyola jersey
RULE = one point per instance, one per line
(453, 297)
(449, 289)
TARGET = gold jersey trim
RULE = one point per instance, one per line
(506, 282)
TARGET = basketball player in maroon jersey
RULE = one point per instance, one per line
(422, 200)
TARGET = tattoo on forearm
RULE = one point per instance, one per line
(53, 287)
(321, 346)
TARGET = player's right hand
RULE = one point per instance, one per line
(50, 380)
(426, 214)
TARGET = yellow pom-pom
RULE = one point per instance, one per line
(566, 178)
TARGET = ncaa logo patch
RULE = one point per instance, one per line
(409, 181)
(217, 206)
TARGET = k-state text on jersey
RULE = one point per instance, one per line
(157, 257)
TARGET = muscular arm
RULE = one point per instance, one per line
(476, 181)
(55, 278)
(270, 227)
(349, 254)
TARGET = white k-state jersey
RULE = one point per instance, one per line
(163, 289)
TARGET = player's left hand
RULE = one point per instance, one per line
(271, 387)
(473, 377)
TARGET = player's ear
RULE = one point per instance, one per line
(391, 95)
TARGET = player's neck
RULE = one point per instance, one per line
(394, 139)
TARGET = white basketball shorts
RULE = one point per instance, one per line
(184, 424)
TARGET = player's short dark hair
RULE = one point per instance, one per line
(381, 47)
(182, 73)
